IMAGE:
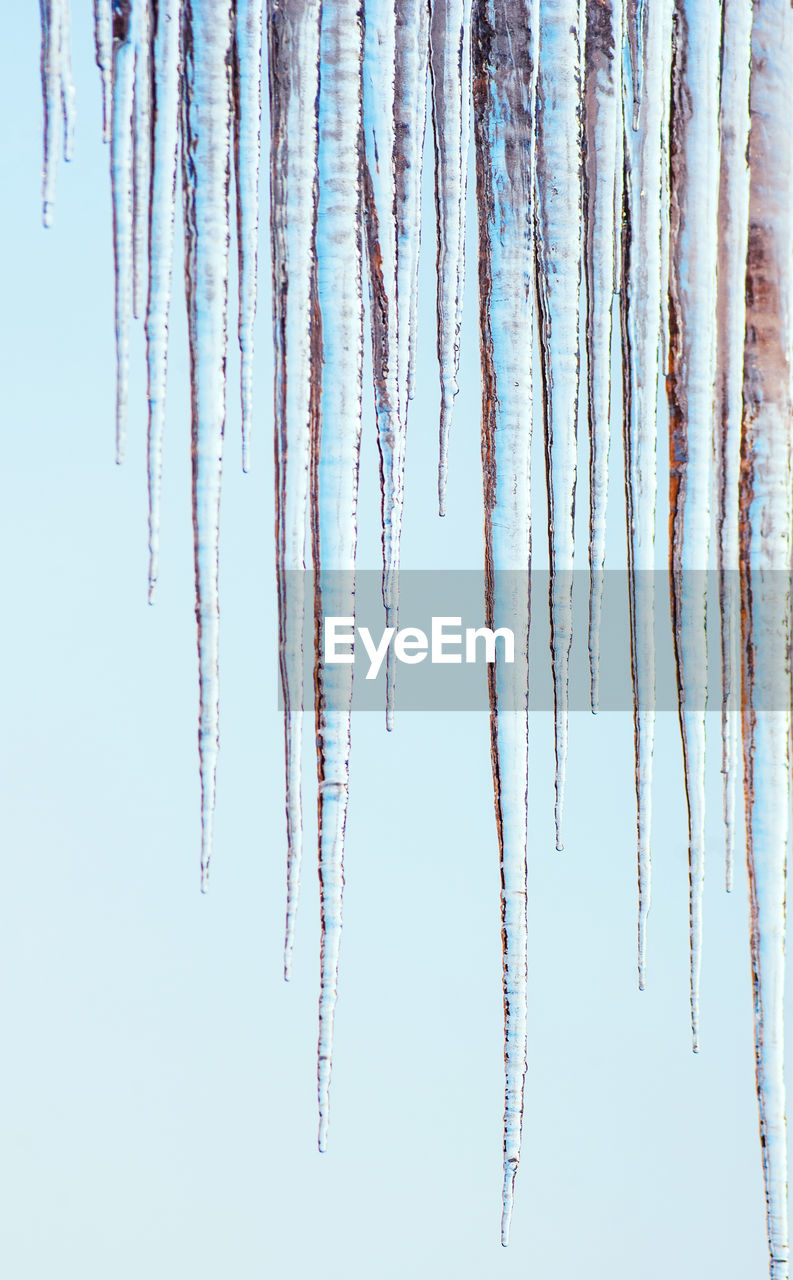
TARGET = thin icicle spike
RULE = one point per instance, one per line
(504, 93)
(206, 160)
(293, 72)
(164, 148)
(68, 94)
(694, 183)
(640, 303)
(121, 185)
(380, 204)
(450, 65)
(247, 152)
(57, 97)
(141, 155)
(766, 542)
(736, 39)
(103, 43)
(559, 228)
(602, 182)
(335, 470)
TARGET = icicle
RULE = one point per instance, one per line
(57, 96)
(450, 64)
(293, 69)
(694, 180)
(640, 298)
(336, 452)
(766, 540)
(206, 157)
(504, 88)
(559, 195)
(602, 180)
(247, 150)
(103, 40)
(731, 323)
(380, 200)
(141, 154)
(121, 183)
(164, 146)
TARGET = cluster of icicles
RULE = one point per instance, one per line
(656, 134)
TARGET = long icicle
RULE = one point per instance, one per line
(450, 65)
(165, 20)
(247, 152)
(766, 541)
(504, 90)
(141, 153)
(733, 219)
(206, 161)
(121, 187)
(335, 486)
(640, 299)
(694, 184)
(293, 69)
(602, 183)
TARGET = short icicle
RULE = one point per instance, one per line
(640, 301)
(733, 217)
(602, 188)
(164, 55)
(103, 44)
(450, 66)
(293, 70)
(335, 470)
(766, 541)
(558, 253)
(694, 185)
(504, 89)
(206, 161)
(58, 96)
(121, 190)
(247, 151)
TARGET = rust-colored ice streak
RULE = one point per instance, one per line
(766, 539)
(736, 38)
(336, 450)
(504, 92)
(694, 176)
(450, 64)
(648, 29)
(602, 186)
(293, 69)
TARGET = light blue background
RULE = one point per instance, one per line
(157, 1077)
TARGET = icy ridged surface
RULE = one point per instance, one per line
(335, 492)
(450, 65)
(559, 230)
(206, 160)
(503, 108)
(694, 182)
(293, 69)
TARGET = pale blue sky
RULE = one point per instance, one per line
(157, 1081)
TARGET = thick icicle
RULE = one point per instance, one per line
(640, 298)
(335, 483)
(380, 199)
(504, 60)
(559, 228)
(121, 184)
(247, 151)
(206, 159)
(731, 323)
(103, 42)
(57, 96)
(766, 540)
(602, 183)
(164, 146)
(141, 154)
(293, 69)
(694, 185)
(450, 65)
